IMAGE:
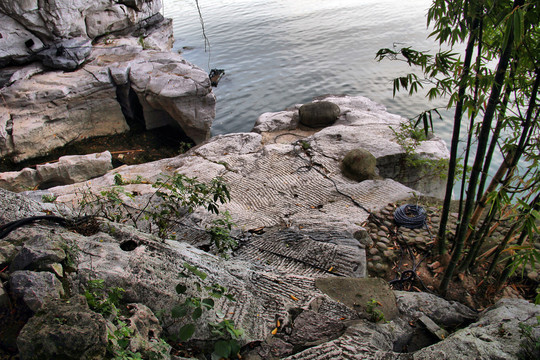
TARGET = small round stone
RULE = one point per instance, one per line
(384, 239)
(373, 251)
(376, 259)
(381, 246)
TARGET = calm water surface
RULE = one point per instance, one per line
(277, 53)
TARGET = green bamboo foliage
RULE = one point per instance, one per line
(495, 84)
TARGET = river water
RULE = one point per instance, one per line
(277, 53)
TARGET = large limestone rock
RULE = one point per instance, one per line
(54, 30)
(126, 78)
(56, 108)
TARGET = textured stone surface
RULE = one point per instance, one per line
(64, 330)
(35, 288)
(37, 252)
(267, 291)
(364, 124)
(358, 293)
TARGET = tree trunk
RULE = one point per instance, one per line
(479, 159)
(455, 138)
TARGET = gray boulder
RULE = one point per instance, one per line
(318, 114)
(66, 54)
(35, 288)
(64, 329)
(38, 252)
(448, 314)
(359, 165)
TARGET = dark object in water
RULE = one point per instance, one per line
(216, 75)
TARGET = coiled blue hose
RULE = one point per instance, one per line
(410, 216)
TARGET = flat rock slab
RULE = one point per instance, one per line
(357, 293)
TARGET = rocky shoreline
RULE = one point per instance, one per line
(302, 271)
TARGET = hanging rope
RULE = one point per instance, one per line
(206, 41)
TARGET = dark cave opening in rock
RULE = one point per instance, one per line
(129, 245)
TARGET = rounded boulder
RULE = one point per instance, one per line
(318, 114)
(359, 165)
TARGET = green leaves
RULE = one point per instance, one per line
(102, 300)
(195, 271)
(186, 332)
(220, 232)
(194, 307)
(180, 193)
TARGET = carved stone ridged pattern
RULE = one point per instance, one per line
(300, 253)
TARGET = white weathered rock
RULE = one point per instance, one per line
(67, 170)
(75, 168)
(55, 19)
(171, 90)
